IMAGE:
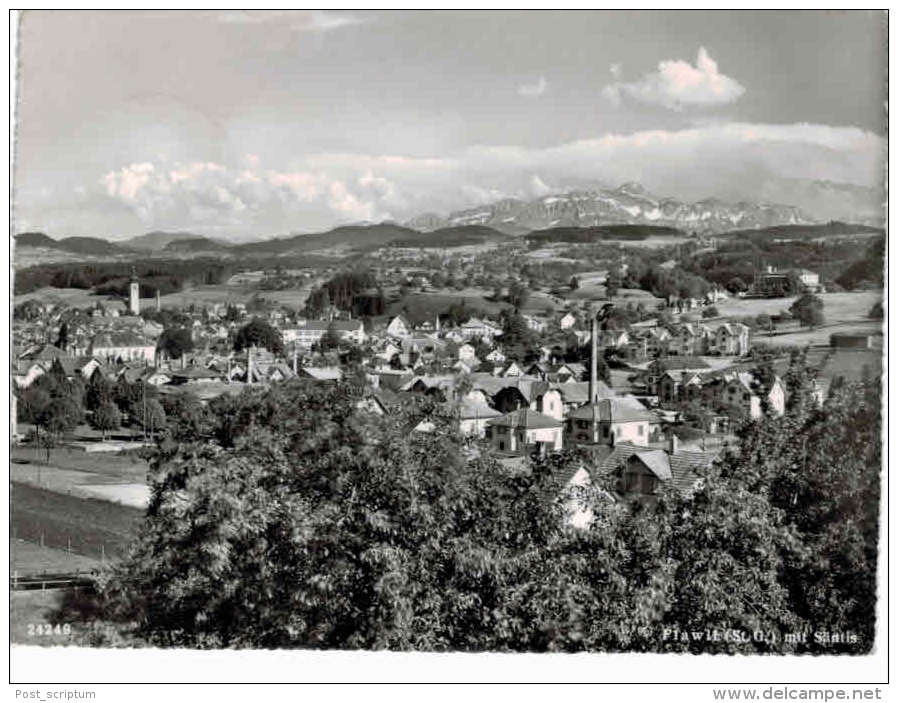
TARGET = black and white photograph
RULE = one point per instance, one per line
(559, 335)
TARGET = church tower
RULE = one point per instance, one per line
(134, 300)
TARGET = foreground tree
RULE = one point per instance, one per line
(54, 420)
(808, 309)
(303, 521)
(106, 418)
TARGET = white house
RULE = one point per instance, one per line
(399, 327)
(523, 430)
(567, 321)
(609, 421)
(467, 353)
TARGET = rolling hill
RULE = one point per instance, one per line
(157, 240)
(89, 246)
(194, 246)
(351, 237)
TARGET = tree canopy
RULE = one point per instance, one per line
(299, 519)
(809, 310)
(175, 342)
(257, 332)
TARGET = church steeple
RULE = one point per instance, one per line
(134, 297)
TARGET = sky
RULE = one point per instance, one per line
(243, 124)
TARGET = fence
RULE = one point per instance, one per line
(90, 528)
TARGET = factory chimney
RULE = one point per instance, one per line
(593, 361)
(249, 365)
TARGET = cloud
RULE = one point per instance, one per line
(533, 90)
(615, 70)
(308, 21)
(207, 193)
(678, 84)
(729, 160)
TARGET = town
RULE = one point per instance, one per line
(662, 382)
(453, 333)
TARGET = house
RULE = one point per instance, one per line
(512, 369)
(657, 368)
(648, 342)
(567, 321)
(539, 396)
(571, 370)
(473, 415)
(640, 471)
(575, 394)
(524, 430)
(25, 372)
(736, 391)
(496, 356)
(467, 353)
(440, 387)
(674, 386)
(609, 421)
(399, 327)
(809, 279)
(535, 324)
(730, 339)
(476, 327)
(689, 339)
(310, 332)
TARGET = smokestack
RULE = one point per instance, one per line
(673, 444)
(294, 358)
(593, 362)
(249, 365)
(158, 301)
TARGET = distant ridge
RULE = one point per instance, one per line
(356, 237)
(631, 203)
(157, 240)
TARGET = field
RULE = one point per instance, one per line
(29, 558)
(93, 528)
(116, 468)
(837, 307)
(73, 297)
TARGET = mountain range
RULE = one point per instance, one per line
(596, 214)
(628, 204)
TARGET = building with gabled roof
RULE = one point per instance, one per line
(609, 421)
(640, 472)
(524, 430)
(399, 326)
(122, 346)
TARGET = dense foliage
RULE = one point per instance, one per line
(291, 518)
(258, 333)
